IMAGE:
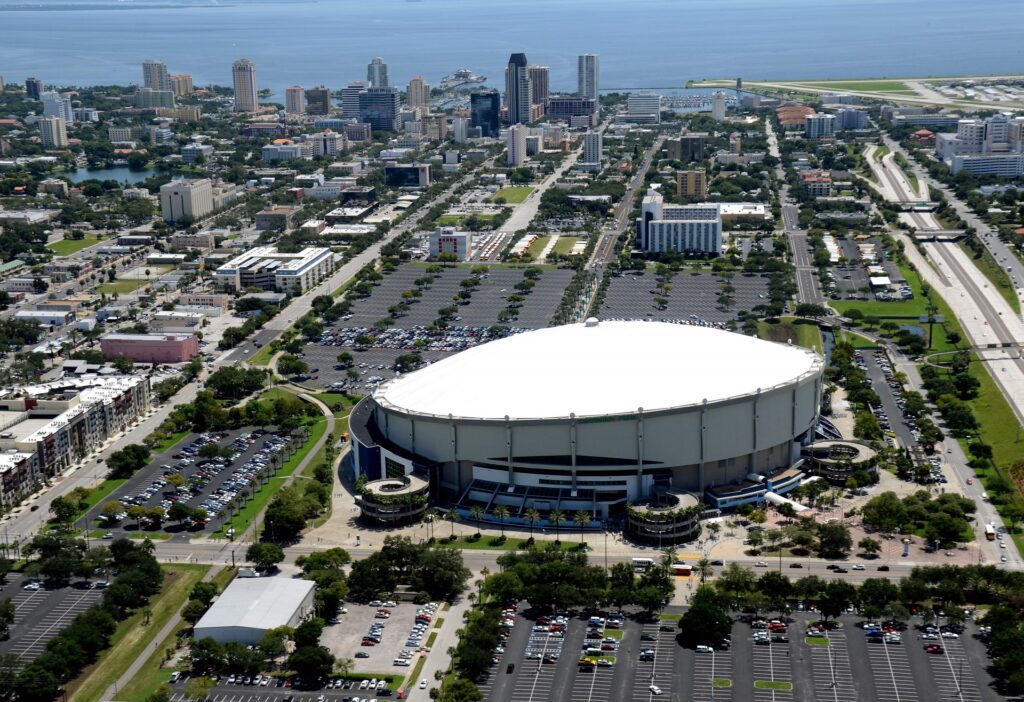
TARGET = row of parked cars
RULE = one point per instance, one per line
(418, 338)
(242, 476)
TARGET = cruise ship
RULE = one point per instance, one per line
(461, 77)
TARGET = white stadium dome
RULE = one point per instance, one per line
(594, 416)
(596, 369)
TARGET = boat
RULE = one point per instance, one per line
(460, 78)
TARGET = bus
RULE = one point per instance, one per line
(990, 531)
(643, 564)
(682, 569)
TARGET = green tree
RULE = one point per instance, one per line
(582, 520)
(834, 540)
(501, 513)
(265, 556)
(705, 622)
(870, 547)
(198, 689)
(312, 663)
(556, 518)
(476, 513)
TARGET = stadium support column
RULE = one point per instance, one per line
(753, 441)
(508, 450)
(572, 446)
(455, 450)
(703, 428)
(640, 451)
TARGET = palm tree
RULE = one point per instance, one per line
(430, 514)
(476, 513)
(556, 517)
(703, 569)
(452, 516)
(582, 520)
(501, 513)
(532, 516)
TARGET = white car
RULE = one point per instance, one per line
(655, 690)
(950, 635)
(423, 684)
(759, 564)
(30, 585)
(702, 648)
(857, 566)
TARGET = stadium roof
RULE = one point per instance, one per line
(597, 369)
(257, 603)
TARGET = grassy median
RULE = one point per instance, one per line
(134, 634)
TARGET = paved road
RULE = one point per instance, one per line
(808, 287)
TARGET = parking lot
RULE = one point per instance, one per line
(41, 614)
(410, 331)
(216, 485)
(344, 638)
(843, 665)
(692, 297)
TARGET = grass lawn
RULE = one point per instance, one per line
(565, 244)
(170, 441)
(494, 543)
(152, 674)
(66, 247)
(261, 357)
(538, 246)
(152, 535)
(990, 267)
(721, 682)
(998, 426)
(803, 333)
(858, 341)
(864, 86)
(132, 635)
(773, 685)
(121, 286)
(816, 641)
(881, 151)
(666, 617)
(431, 639)
(514, 194)
(614, 634)
(454, 219)
(243, 519)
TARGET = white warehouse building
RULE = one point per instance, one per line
(599, 425)
(250, 607)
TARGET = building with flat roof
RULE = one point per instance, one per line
(265, 268)
(407, 175)
(53, 132)
(176, 321)
(693, 229)
(250, 607)
(191, 198)
(643, 108)
(150, 348)
(447, 240)
(278, 217)
(46, 318)
(692, 185)
(47, 428)
(485, 113)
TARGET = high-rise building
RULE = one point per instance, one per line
(186, 198)
(56, 105)
(460, 130)
(147, 97)
(154, 75)
(53, 132)
(247, 94)
(517, 89)
(588, 76)
(515, 142)
(565, 107)
(718, 105)
(33, 88)
(644, 108)
(377, 73)
(540, 82)
(485, 112)
(592, 148)
(849, 118)
(295, 100)
(735, 143)
(350, 97)
(819, 125)
(418, 93)
(379, 107)
(692, 185)
(318, 100)
(181, 84)
(687, 228)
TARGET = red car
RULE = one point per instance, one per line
(369, 642)
(933, 648)
(544, 620)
